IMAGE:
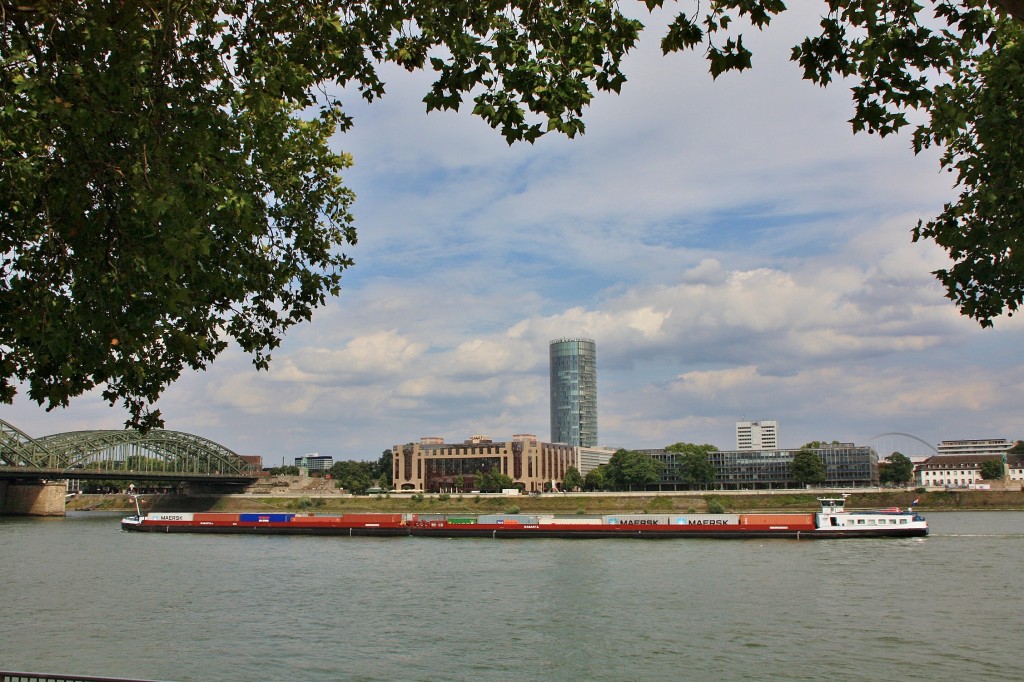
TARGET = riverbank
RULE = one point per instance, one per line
(954, 500)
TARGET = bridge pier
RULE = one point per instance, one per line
(45, 498)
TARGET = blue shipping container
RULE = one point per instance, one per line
(266, 518)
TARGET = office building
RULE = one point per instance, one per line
(432, 465)
(982, 447)
(589, 459)
(763, 435)
(846, 466)
(574, 392)
(314, 461)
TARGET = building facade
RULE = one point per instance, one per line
(591, 458)
(254, 461)
(432, 465)
(315, 462)
(964, 470)
(763, 435)
(846, 466)
(573, 392)
(987, 446)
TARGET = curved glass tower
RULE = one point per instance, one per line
(574, 392)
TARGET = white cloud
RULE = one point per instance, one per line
(376, 355)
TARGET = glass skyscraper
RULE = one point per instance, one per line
(574, 392)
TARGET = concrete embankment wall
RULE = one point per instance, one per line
(32, 499)
(783, 501)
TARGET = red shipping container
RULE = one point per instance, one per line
(311, 519)
(792, 521)
(373, 518)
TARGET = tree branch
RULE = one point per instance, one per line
(1015, 8)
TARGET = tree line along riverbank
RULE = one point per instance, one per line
(693, 502)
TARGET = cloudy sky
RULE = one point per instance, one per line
(735, 251)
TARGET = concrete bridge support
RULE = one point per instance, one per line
(32, 499)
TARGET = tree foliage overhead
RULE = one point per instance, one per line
(167, 186)
(961, 64)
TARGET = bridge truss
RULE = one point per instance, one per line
(886, 444)
(124, 454)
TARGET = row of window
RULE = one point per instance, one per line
(876, 522)
(462, 451)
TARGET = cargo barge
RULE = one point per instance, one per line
(832, 522)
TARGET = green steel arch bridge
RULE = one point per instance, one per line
(156, 455)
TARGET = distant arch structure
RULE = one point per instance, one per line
(128, 452)
(885, 444)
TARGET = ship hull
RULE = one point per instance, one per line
(664, 534)
(799, 527)
(351, 531)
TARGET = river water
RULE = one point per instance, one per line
(80, 596)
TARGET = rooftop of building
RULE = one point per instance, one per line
(967, 461)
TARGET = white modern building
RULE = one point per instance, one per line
(589, 459)
(762, 435)
(988, 446)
